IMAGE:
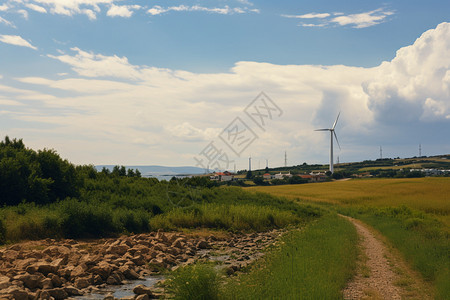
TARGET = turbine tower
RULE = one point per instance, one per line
(332, 132)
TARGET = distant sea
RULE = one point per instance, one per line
(161, 172)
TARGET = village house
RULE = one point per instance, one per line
(221, 176)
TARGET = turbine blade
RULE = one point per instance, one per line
(337, 139)
(322, 130)
(335, 122)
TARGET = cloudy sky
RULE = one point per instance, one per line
(175, 82)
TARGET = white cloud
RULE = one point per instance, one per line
(16, 40)
(119, 112)
(226, 10)
(361, 20)
(4, 7)
(6, 22)
(124, 11)
(415, 84)
(24, 13)
(73, 7)
(97, 65)
(36, 8)
(308, 16)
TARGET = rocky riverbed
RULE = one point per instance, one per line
(51, 269)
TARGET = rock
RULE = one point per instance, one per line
(30, 281)
(103, 269)
(202, 244)
(117, 249)
(58, 293)
(112, 280)
(179, 243)
(109, 297)
(142, 297)
(138, 260)
(81, 283)
(142, 290)
(97, 279)
(46, 284)
(56, 280)
(4, 282)
(44, 295)
(43, 267)
(16, 292)
(79, 270)
(72, 291)
(129, 273)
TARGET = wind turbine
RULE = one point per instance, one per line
(332, 132)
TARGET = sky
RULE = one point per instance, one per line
(213, 82)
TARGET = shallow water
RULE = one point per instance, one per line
(121, 291)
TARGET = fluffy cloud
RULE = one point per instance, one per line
(16, 40)
(113, 106)
(416, 83)
(124, 11)
(361, 20)
(36, 8)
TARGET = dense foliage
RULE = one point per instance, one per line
(45, 196)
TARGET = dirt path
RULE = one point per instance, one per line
(381, 275)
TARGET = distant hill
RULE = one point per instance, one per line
(157, 171)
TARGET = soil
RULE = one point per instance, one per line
(382, 273)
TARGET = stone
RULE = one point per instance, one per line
(179, 243)
(56, 280)
(202, 244)
(79, 270)
(4, 282)
(103, 269)
(16, 292)
(44, 295)
(58, 293)
(129, 273)
(142, 290)
(142, 297)
(117, 249)
(72, 291)
(81, 283)
(46, 284)
(109, 297)
(30, 281)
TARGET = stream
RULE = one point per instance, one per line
(120, 291)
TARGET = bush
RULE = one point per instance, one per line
(199, 281)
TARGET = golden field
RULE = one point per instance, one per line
(430, 194)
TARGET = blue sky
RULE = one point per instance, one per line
(154, 82)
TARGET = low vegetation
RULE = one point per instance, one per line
(312, 263)
(414, 214)
(79, 202)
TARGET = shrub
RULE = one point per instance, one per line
(199, 281)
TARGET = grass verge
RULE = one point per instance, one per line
(314, 263)
(418, 236)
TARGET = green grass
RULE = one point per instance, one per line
(418, 236)
(413, 214)
(313, 263)
(195, 282)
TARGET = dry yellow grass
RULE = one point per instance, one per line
(431, 195)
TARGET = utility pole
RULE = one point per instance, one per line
(285, 158)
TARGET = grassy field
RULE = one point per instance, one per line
(414, 215)
(312, 263)
(431, 195)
